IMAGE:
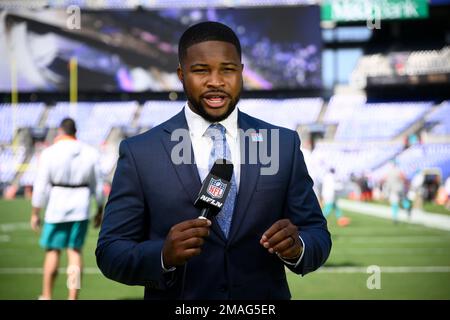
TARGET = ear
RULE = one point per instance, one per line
(180, 73)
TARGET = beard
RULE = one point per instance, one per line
(198, 107)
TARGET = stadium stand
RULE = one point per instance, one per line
(415, 63)
(380, 120)
(342, 107)
(419, 157)
(367, 136)
(22, 115)
(156, 112)
(10, 161)
(439, 119)
(95, 120)
(27, 178)
(353, 158)
(288, 113)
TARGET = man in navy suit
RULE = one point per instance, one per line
(151, 234)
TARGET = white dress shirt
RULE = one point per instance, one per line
(67, 162)
(202, 145)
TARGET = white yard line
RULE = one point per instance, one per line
(391, 251)
(39, 271)
(14, 226)
(393, 240)
(385, 269)
(404, 269)
(5, 238)
(432, 220)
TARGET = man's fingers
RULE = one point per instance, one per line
(189, 224)
(277, 226)
(184, 241)
(189, 253)
(290, 252)
(278, 237)
(282, 238)
(190, 233)
(192, 243)
(171, 259)
(284, 245)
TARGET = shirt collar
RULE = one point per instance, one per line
(64, 137)
(197, 125)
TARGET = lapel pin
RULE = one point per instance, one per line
(257, 137)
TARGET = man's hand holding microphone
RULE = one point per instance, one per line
(185, 239)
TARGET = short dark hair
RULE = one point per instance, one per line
(206, 31)
(68, 126)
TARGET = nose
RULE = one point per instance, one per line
(215, 80)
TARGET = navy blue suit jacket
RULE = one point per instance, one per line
(150, 194)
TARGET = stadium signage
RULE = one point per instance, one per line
(363, 10)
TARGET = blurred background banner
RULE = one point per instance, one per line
(136, 50)
(365, 84)
(362, 10)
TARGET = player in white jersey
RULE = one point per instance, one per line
(68, 174)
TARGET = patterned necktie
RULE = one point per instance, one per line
(221, 150)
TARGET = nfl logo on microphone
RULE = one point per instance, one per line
(216, 188)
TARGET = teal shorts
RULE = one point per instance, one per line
(64, 235)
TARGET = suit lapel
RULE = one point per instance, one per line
(249, 176)
(187, 172)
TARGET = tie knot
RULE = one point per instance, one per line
(216, 131)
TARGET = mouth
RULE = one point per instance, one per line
(215, 100)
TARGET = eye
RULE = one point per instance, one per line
(199, 71)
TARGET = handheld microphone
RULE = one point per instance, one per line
(212, 195)
(215, 188)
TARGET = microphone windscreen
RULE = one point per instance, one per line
(215, 188)
(223, 169)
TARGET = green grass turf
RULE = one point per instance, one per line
(436, 208)
(366, 241)
(427, 206)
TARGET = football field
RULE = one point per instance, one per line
(414, 262)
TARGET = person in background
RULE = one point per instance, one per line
(330, 188)
(414, 193)
(447, 190)
(394, 185)
(68, 174)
